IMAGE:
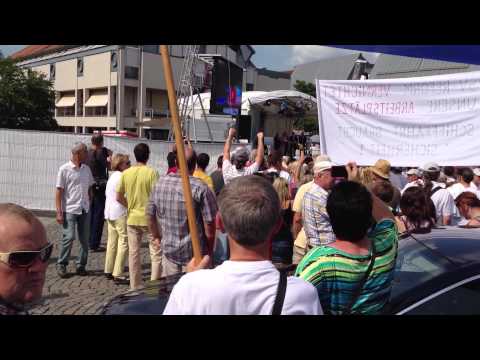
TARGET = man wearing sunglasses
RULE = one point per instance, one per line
(24, 255)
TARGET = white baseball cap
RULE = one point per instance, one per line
(431, 167)
(322, 165)
(414, 172)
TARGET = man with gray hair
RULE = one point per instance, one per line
(73, 199)
(238, 166)
(316, 222)
(248, 283)
(24, 255)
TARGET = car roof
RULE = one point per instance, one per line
(460, 245)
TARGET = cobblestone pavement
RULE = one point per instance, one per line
(79, 295)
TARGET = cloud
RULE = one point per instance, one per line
(302, 54)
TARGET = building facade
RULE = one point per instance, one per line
(109, 87)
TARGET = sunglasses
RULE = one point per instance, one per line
(25, 259)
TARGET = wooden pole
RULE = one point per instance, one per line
(187, 192)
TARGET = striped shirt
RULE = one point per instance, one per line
(315, 218)
(336, 274)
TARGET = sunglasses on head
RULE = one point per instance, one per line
(25, 259)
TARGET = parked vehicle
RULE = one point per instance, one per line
(437, 273)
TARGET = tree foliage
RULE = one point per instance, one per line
(310, 123)
(306, 88)
(27, 99)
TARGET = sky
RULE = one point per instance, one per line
(273, 57)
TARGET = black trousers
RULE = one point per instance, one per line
(97, 219)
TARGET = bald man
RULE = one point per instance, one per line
(24, 255)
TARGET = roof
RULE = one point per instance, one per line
(393, 66)
(460, 245)
(36, 50)
(337, 68)
(274, 74)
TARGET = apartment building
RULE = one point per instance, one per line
(108, 87)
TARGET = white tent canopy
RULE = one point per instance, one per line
(259, 99)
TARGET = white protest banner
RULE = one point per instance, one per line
(408, 122)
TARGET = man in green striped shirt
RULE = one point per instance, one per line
(353, 275)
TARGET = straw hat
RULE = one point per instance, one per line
(382, 169)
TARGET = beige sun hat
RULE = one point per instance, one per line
(382, 169)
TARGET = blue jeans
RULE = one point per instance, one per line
(82, 223)
(97, 219)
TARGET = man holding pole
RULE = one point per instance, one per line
(167, 217)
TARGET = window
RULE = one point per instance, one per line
(114, 61)
(154, 49)
(131, 72)
(52, 71)
(249, 87)
(416, 265)
(462, 300)
(80, 67)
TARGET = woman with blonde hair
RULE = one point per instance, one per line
(282, 242)
(116, 216)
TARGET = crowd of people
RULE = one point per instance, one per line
(269, 214)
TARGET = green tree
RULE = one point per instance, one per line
(310, 123)
(307, 88)
(27, 99)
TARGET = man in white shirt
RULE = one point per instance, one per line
(237, 167)
(275, 165)
(73, 199)
(442, 199)
(413, 178)
(248, 283)
(465, 183)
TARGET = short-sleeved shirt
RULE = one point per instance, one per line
(443, 201)
(200, 174)
(167, 204)
(336, 274)
(315, 218)
(75, 183)
(113, 209)
(230, 172)
(283, 174)
(301, 240)
(240, 288)
(137, 183)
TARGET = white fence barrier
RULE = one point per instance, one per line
(29, 162)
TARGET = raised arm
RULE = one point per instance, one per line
(299, 166)
(228, 144)
(379, 209)
(260, 149)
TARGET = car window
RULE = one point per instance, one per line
(462, 300)
(416, 265)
